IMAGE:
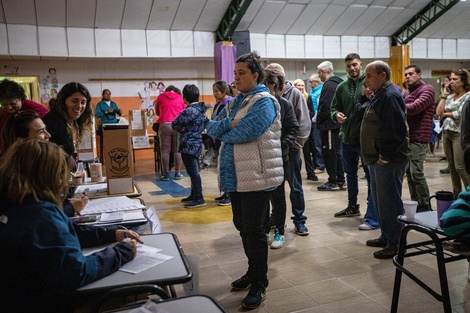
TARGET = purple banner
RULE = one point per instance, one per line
(225, 56)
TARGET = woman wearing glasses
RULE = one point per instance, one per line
(450, 110)
(13, 100)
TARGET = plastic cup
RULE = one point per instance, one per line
(410, 207)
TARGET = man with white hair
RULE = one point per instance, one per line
(294, 164)
(329, 130)
(385, 149)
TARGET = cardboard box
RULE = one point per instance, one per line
(138, 122)
(118, 158)
(86, 151)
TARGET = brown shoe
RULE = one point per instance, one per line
(385, 253)
(376, 243)
(318, 171)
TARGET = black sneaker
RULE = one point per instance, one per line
(225, 201)
(445, 171)
(222, 197)
(255, 296)
(328, 187)
(376, 243)
(342, 186)
(165, 177)
(188, 199)
(300, 229)
(351, 210)
(195, 204)
(243, 283)
(312, 177)
(385, 253)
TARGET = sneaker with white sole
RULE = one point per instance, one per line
(365, 226)
(278, 241)
(350, 211)
(255, 296)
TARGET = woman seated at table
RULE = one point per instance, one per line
(28, 125)
(70, 117)
(41, 259)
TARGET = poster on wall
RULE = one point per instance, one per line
(147, 100)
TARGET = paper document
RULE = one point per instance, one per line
(111, 204)
(146, 257)
(112, 217)
(93, 189)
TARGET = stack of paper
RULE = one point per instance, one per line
(111, 204)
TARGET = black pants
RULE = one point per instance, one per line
(250, 211)
(331, 150)
(309, 154)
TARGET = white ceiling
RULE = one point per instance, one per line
(286, 17)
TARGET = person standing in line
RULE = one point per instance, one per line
(465, 134)
(445, 86)
(168, 106)
(329, 130)
(250, 123)
(107, 110)
(419, 100)
(190, 125)
(312, 103)
(289, 130)
(385, 149)
(450, 110)
(371, 218)
(308, 148)
(13, 100)
(222, 94)
(294, 163)
(343, 111)
(300, 85)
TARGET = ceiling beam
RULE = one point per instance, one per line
(431, 12)
(231, 19)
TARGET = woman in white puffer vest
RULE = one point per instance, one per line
(250, 167)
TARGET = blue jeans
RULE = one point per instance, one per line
(372, 216)
(191, 163)
(292, 174)
(386, 185)
(350, 157)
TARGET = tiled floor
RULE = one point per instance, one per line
(331, 270)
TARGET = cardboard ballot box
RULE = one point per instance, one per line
(138, 122)
(118, 158)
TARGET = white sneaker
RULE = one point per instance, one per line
(278, 241)
(365, 226)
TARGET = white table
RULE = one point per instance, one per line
(168, 273)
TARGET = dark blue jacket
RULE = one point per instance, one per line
(190, 125)
(42, 261)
